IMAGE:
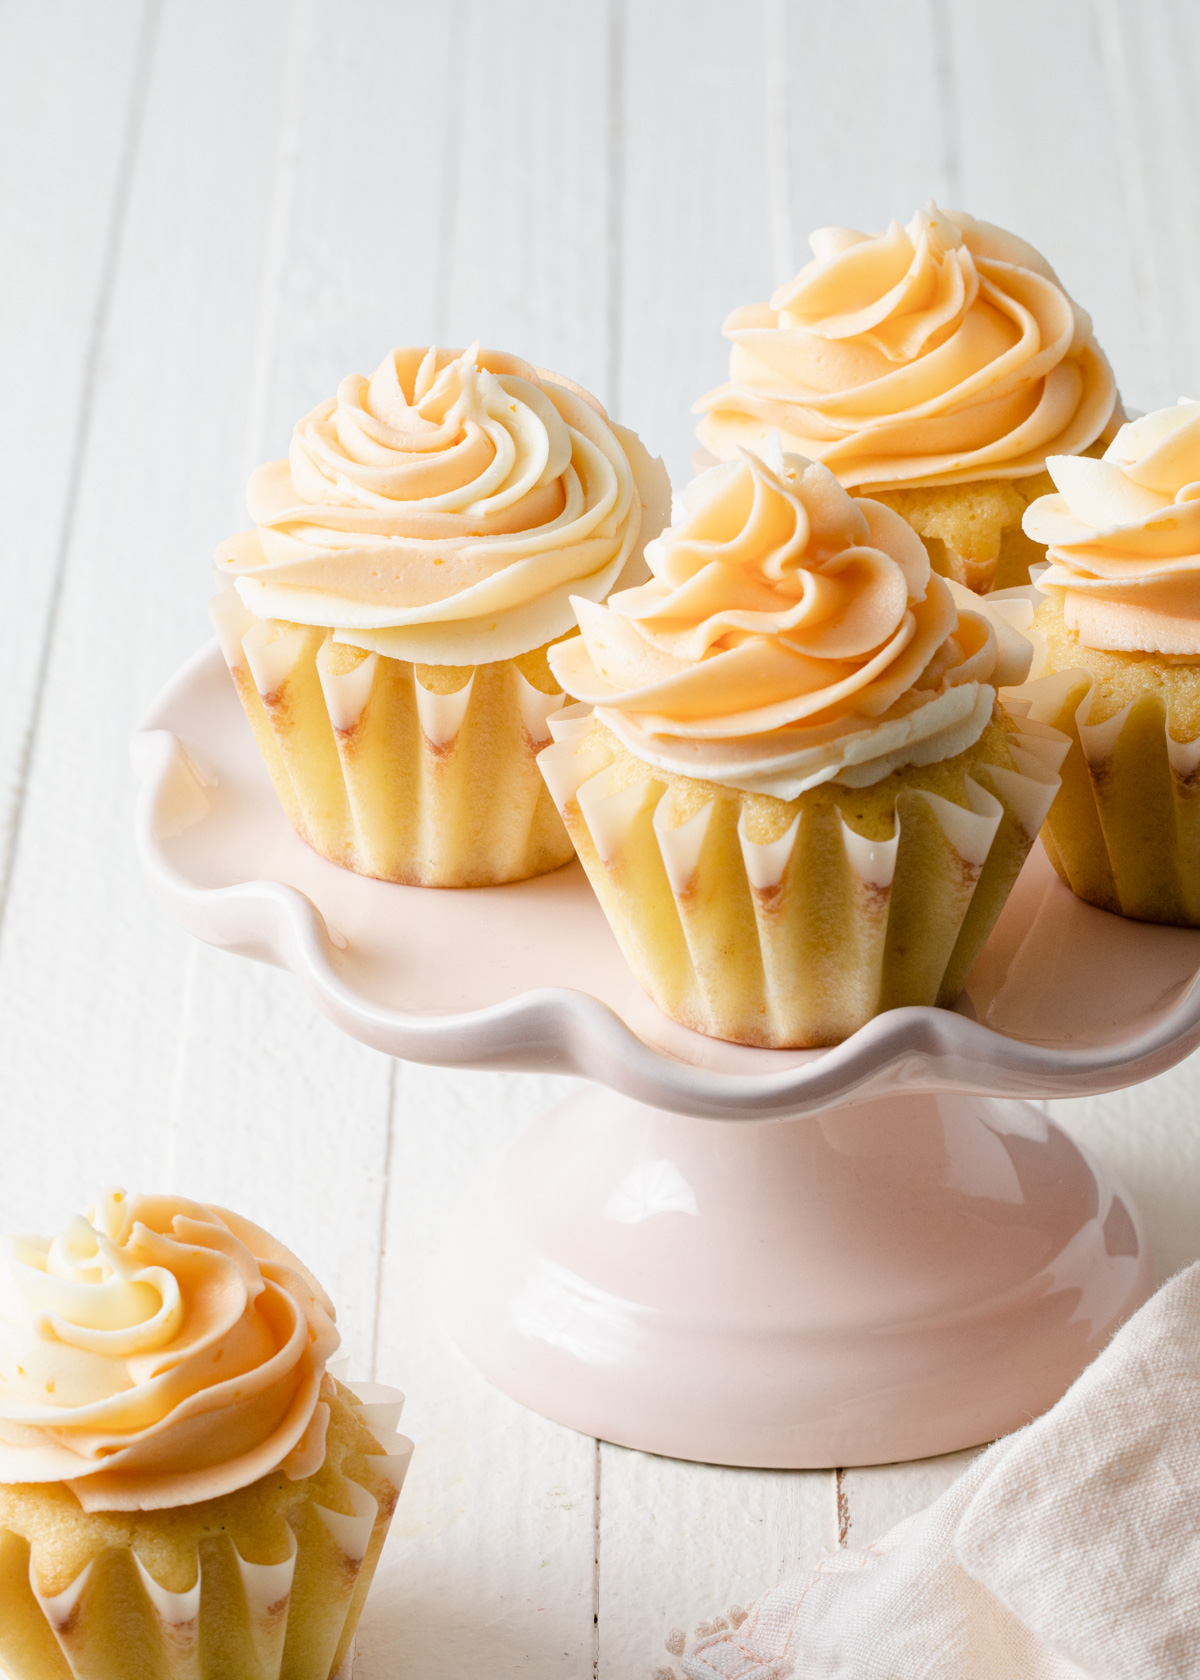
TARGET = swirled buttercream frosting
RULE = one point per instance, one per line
(790, 635)
(446, 509)
(936, 353)
(1123, 537)
(158, 1352)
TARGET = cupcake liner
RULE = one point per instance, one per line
(1124, 832)
(798, 941)
(240, 1621)
(383, 774)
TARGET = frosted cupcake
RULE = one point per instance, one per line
(933, 368)
(797, 800)
(184, 1488)
(1122, 628)
(386, 621)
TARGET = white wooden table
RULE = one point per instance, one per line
(210, 210)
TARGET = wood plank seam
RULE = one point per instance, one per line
(615, 39)
(778, 127)
(389, 1147)
(298, 51)
(1113, 53)
(596, 1563)
(122, 192)
(947, 101)
(451, 171)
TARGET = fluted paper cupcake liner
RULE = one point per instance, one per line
(387, 776)
(292, 1620)
(1124, 832)
(800, 940)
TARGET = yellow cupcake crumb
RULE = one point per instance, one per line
(869, 811)
(1122, 677)
(64, 1538)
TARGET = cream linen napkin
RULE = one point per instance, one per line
(1069, 1549)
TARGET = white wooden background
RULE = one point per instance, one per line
(210, 210)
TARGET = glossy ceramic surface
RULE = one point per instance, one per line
(886, 1280)
(1065, 1000)
(866, 1267)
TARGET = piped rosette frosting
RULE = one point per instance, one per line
(938, 353)
(158, 1352)
(163, 1365)
(1121, 618)
(1123, 537)
(794, 643)
(446, 509)
(790, 635)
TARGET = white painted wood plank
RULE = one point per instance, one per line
(280, 1116)
(362, 208)
(681, 1544)
(490, 1570)
(874, 1500)
(1042, 153)
(868, 128)
(692, 228)
(90, 971)
(1151, 56)
(69, 99)
(527, 264)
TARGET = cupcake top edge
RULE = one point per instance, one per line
(790, 635)
(445, 509)
(942, 352)
(158, 1352)
(1123, 537)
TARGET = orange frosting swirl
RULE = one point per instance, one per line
(158, 1352)
(445, 509)
(938, 353)
(1123, 537)
(790, 635)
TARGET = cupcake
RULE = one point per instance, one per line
(797, 798)
(1121, 620)
(185, 1490)
(386, 622)
(932, 368)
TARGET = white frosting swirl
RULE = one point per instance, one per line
(939, 353)
(158, 1352)
(790, 635)
(446, 509)
(1123, 537)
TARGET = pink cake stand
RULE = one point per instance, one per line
(790, 1259)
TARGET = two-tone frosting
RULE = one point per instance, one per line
(158, 1352)
(1123, 537)
(446, 509)
(790, 635)
(938, 353)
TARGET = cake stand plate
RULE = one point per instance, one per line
(785, 1258)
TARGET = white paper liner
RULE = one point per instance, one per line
(1029, 792)
(267, 1587)
(386, 776)
(727, 965)
(1127, 836)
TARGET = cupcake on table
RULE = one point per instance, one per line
(185, 1490)
(1121, 621)
(387, 619)
(933, 367)
(798, 800)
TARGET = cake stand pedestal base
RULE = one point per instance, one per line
(882, 1280)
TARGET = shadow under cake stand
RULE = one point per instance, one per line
(784, 1259)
